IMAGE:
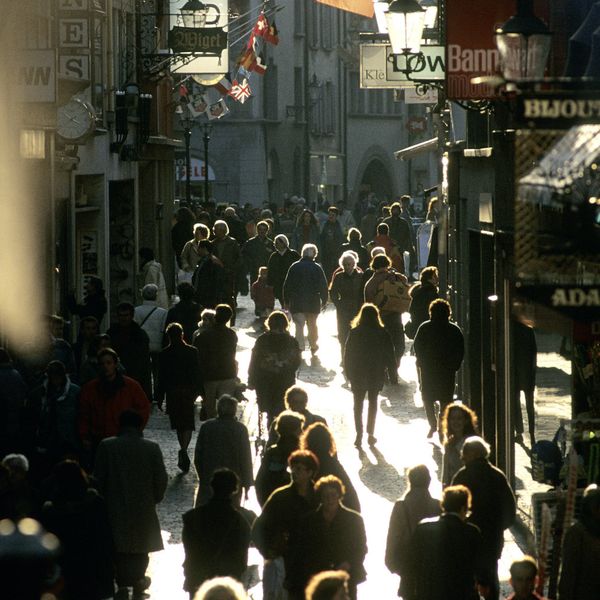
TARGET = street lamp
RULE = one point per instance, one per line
(524, 44)
(381, 9)
(431, 12)
(193, 14)
(206, 131)
(187, 122)
(405, 23)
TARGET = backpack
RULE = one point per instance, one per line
(392, 295)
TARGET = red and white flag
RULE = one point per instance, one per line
(360, 7)
(258, 66)
(240, 91)
(223, 85)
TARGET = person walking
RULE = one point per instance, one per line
(208, 279)
(94, 302)
(354, 243)
(186, 312)
(132, 478)
(190, 257)
(257, 250)
(422, 294)
(407, 513)
(215, 536)
(227, 250)
(218, 368)
(439, 348)
(275, 359)
(279, 264)
(222, 443)
(493, 510)
(458, 423)
(307, 230)
(332, 238)
(346, 291)
(305, 295)
(368, 353)
(179, 382)
(400, 231)
(151, 272)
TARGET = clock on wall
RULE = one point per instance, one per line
(76, 120)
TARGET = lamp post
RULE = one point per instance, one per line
(206, 131)
(405, 22)
(187, 123)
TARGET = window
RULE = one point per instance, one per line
(299, 94)
(329, 112)
(299, 17)
(327, 26)
(313, 38)
(358, 96)
(271, 99)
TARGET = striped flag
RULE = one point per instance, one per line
(224, 85)
(360, 7)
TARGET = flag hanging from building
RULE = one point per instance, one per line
(247, 59)
(223, 85)
(261, 26)
(272, 34)
(360, 7)
(240, 91)
(258, 66)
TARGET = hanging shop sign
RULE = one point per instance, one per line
(580, 302)
(202, 48)
(558, 111)
(471, 51)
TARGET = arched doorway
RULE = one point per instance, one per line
(376, 179)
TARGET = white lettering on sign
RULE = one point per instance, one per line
(575, 297)
(74, 67)
(74, 33)
(474, 61)
(540, 108)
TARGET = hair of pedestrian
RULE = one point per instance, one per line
(150, 291)
(309, 251)
(440, 309)
(223, 314)
(227, 406)
(56, 367)
(470, 420)
(590, 505)
(277, 321)
(455, 498)
(289, 422)
(203, 228)
(224, 483)
(528, 564)
(220, 224)
(368, 316)
(418, 477)
(71, 480)
(108, 352)
(330, 481)
(263, 270)
(174, 332)
(221, 588)
(206, 244)
(146, 254)
(326, 584)
(96, 343)
(333, 209)
(185, 291)
(4, 356)
(125, 307)
(283, 239)
(16, 462)
(130, 419)
(381, 261)
(348, 254)
(383, 229)
(476, 447)
(404, 199)
(295, 396)
(318, 439)
(306, 458)
(208, 314)
(395, 205)
(354, 234)
(377, 250)
(262, 224)
(427, 274)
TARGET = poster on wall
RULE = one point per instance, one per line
(87, 253)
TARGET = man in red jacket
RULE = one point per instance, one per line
(103, 400)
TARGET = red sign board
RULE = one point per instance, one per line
(470, 45)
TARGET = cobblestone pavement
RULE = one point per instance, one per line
(377, 473)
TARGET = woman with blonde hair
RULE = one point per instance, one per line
(458, 423)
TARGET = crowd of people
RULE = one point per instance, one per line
(75, 459)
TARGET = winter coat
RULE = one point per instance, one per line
(209, 282)
(422, 295)
(178, 367)
(443, 560)
(94, 305)
(330, 465)
(262, 294)
(189, 256)
(305, 287)
(400, 233)
(131, 476)
(346, 292)
(99, 410)
(86, 557)
(152, 273)
(494, 507)
(273, 471)
(278, 267)
(332, 238)
(227, 250)
(308, 235)
(367, 354)
(187, 314)
(152, 319)
(256, 252)
(13, 394)
(216, 538)
(222, 443)
(216, 348)
(364, 258)
(392, 250)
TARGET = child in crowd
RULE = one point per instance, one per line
(523, 578)
(262, 294)
(207, 320)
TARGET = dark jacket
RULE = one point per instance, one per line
(400, 233)
(273, 471)
(302, 236)
(367, 354)
(494, 506)
(94, 305)
(278, 267)
(321, 546)
(443, 560)
(305, 287)
(346, 292)
(187, 314)
(216, 348)
(422, 294)
(330, 465)
(364, 257)
(209, 282)
(178, 367)
(332, 239)
(439, 348)
(13, 393)
(216, 539)
(256, 253)
(86, 557)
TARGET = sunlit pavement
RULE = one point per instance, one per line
(377, 473)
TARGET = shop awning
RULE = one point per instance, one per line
(416, 149)
(569, 173)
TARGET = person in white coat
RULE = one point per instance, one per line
(151, 272)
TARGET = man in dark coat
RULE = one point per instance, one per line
(525, 361)
(305, 294)
(215, 536)
(257, 251)
(332, 238)
(186, 312)
(279, 264)
(208, 279)
(227, 250)
(132, 478)
(439, 348)
(400, 231)
(494, 506)
(132, 344)
(443, 557)
(354, 243)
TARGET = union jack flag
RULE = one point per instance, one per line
(240, 91)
